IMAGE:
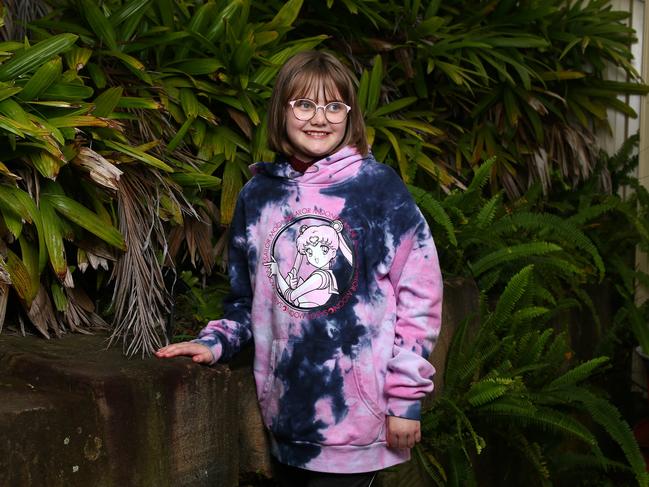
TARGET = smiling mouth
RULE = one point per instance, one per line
(311, 133)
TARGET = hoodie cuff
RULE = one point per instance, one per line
(404, 408)
(214, 345)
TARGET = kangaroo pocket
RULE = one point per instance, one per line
(322, 392)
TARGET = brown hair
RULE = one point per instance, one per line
(299, 76)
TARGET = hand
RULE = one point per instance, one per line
(402, 432)
(197, 351)
(291, 278)
(273, 268)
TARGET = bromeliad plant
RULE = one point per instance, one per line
(41, 106)
(67, 170)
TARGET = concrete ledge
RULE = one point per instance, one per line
(76, 414)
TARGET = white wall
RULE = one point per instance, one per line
(621, 126)
(642, 261)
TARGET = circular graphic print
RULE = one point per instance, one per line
(311, 262)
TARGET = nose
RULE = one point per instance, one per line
(319, 118)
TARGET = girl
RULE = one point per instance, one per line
(339, 380)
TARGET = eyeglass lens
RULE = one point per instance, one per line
(335, 112)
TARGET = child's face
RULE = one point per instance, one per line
(316, 137)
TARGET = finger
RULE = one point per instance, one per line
(403, 441)
(183, 348)
(418, 436)
(203, 358)
(391, 440)
(411, 441)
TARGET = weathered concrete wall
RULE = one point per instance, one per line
(75, 414)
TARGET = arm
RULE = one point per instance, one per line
(313, 282)
(221, 339)
(273, 271)
(415, 276)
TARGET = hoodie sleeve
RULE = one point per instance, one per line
(417, 281)
(226, 336)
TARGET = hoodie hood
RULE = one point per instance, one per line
(332, 169)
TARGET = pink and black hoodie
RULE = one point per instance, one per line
(334, 273)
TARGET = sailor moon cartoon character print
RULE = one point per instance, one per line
(310, 261)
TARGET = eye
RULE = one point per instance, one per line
(305, 104)
(309, 252)
(325, 249)
(335, 107)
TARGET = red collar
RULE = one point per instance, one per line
(299, 165)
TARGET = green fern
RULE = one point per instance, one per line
(435, 210)
(591, 212)
(431, 465)
(481, 176)
(534, 345)
(577, 374)
(607, 416)
(533, 453)
(487, 213)
(514, 252)
(487, 390)
(509, 298)
(546, 419)
(529, 313)
(551, 225)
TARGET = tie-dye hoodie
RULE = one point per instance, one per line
(335, 275)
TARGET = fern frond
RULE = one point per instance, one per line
(592, 212)
(584, 462)
(530, 313)
(431, 465)
(460, 473)
(514, 252)
(434, 209)
(622, 161)
(534, 455)
(487, 213)
(481, 176)
(543, 294)
(490, 279)
(478, 441)
(456, 353)
(515, 288)
(557, 227)
(558, 351)
(480, 354)
(631, 215)
(609, 418)
(533, 347)
(577, 374)
(542, 418)
(487, 391)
